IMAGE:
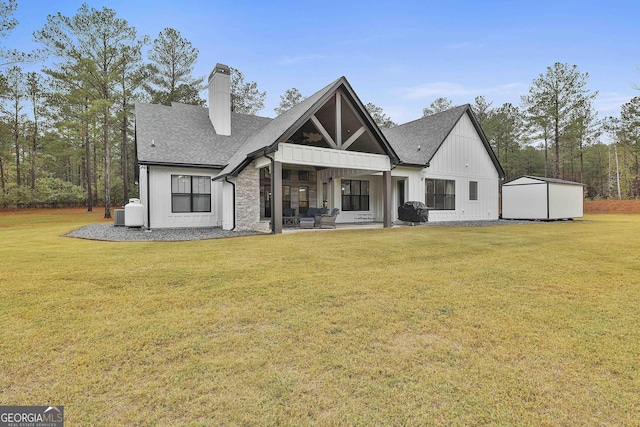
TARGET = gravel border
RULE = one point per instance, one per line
(108, 232)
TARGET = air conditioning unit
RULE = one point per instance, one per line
(118, 217)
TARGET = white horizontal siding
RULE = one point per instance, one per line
(160, 194)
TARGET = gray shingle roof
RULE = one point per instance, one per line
(183, 135)
(428, 133)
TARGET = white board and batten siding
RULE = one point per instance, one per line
(540, 198)
(159, 182)
(464, 158)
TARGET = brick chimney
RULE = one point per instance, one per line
(220, 99)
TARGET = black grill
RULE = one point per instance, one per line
(413, 212)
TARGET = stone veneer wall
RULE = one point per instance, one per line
(248, 201)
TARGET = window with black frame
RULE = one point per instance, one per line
(355, 195)
(440, 194)
(303, 199)
(473, 190)
(286, 196)
(190, 193)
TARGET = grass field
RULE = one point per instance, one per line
(533, 324)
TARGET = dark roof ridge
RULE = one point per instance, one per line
(206, 107)
(433, 115)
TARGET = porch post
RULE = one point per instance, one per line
(276, 197)
(386, 198)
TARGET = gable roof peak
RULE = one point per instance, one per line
(429, 133)
(267, 139)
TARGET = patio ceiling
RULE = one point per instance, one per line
(336, 125)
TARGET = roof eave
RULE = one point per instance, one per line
(182, 165)
(414, 165)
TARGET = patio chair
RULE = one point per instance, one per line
(289, 217)
(329, 221)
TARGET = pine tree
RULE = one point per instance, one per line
(171, 69)
(438, 106)
(90, 44)
(378, 116)
(552, 104)
(15, 95)
(290, 98)
(245, 96)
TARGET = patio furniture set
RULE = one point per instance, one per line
(314, 217)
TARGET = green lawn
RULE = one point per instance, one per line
(532, 324)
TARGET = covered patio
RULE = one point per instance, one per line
(299, 179)
(325, 152)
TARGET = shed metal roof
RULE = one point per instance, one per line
(542, 179)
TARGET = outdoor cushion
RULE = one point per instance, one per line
(307, 222)
(312, 212)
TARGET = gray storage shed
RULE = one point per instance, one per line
(533, 197)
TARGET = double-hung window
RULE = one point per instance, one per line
(440, 194)
(355, 195)
(190, 193)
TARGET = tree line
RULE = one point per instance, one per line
(66, 132)
(555, 132)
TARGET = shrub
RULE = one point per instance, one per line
(55, 192)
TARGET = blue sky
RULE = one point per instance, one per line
(399, 55)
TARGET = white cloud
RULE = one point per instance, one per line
(608, 104)
(451, 90)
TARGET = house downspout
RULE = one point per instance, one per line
(548, 211)
(273, 206)
(226, 178)
(148, 199)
